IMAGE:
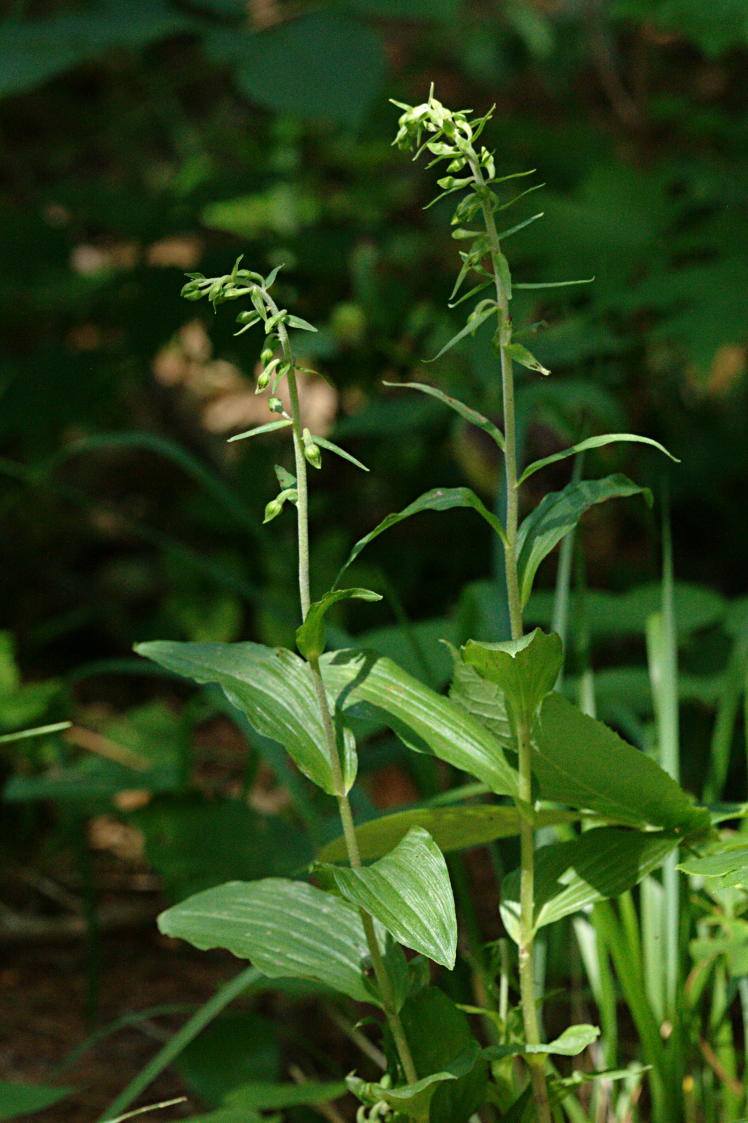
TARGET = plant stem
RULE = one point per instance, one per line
(344, 807)
(535, 1062)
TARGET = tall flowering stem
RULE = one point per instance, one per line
(278, 362)
(451, 137)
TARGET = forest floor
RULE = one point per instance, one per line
(43, 1017)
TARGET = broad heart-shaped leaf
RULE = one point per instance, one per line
(274, 688)
(427, 721)
(727, 862)
(573, 1041)
(557, 514)
(600, 863)
(288, 929)
(437, 1032)
(438, 499)
(579, 761)
(525, 670)
(27, 1099)
(592, 442)
(408, 891)
(466, 412)
(310, 637)
(414, 1099)
(452, 828)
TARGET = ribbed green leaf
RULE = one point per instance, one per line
(557, 514)
(274, 688)
(579, 761)
(427, 720)
(452, 828)
(481, 698)
(592, 442)
(439, 499)
(600, 863)
(525, 670)
(466, 412)
(310, 637)
(288, 929)
(409, 892)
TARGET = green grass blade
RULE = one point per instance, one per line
(192, 467)
(250, 977)
(662, 650)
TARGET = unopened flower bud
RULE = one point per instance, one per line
(311, 451)
(272, 510)
(275, 405)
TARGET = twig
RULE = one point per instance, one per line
(328, 1110)
(358, 1038)
(97, 743)
(149, 1107)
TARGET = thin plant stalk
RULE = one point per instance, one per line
(535, 1062)
(344, 807)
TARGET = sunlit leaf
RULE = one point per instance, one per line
(452, 828)
(600, 863)
(579, 761)
(525, 670)
(274, 688)
(409, 892)
(287, 929)
(426, 720)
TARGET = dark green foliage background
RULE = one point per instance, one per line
(267, 132)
